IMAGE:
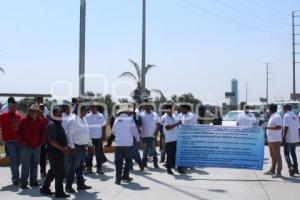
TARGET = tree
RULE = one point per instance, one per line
(137, 77)
(186, 98)
(2, 70)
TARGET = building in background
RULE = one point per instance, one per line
(234, 89)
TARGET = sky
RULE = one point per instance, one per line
(197, 45)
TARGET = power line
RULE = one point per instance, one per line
(267, 8)
(250, 14)
(229, 19)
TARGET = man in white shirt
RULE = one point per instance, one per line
(246, 118)
(274, 135)
(187, 117)
(290, 138)
(125, 130)
(78, 137)
(97, 127)
(170, 125)
(67, 115)
(4, 108)
(150, 126)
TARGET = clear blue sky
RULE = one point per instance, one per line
(198, 46)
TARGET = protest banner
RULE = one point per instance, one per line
(220, 146)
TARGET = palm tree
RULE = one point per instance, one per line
(136, 94)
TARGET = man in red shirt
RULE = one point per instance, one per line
(9, 122)
(31, 137)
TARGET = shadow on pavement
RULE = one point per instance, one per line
(134, 186)
(103, 178)
(10, 188)
(86, 195)
(295, 179)
(190, 195)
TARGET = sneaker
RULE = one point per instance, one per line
(62, 195)
(170, 172)
(291, 171)
(156, 166)
(84, 187)
(117, 182)
(296, 171)
(100, 171)
(46, 191)
(271, 173)
(70, 190)
(277, 175)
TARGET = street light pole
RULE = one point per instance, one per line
(143, 77)
(82, 47)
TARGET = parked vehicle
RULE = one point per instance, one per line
(231, 117)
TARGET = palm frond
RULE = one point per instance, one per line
(137, 68)
(149, 67)
(2, 70)
(129, 75)
(157, 91)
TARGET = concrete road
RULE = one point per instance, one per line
(156, 184)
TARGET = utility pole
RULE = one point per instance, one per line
(143, 84)
(267, 83)
(294, 34)
(82, 47)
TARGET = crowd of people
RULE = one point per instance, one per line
(71, 135)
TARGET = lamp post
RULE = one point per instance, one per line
(143, 77)
(82, 47)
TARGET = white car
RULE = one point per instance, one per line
(230, 118)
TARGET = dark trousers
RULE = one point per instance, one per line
(110, 140)
(56, 172)
(121, 154)
(100, 158)
(43, 159)
(76, 166)
(171, 154)
(290, 151)
(149, 149)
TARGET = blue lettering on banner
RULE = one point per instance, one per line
(220, 146)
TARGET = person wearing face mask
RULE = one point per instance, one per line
(246, 118)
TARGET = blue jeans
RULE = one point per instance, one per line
(13, 151)
(121, 154)
(149, 149)
(76, 166)
(30, 159)
(290, 150)
(98, 145)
